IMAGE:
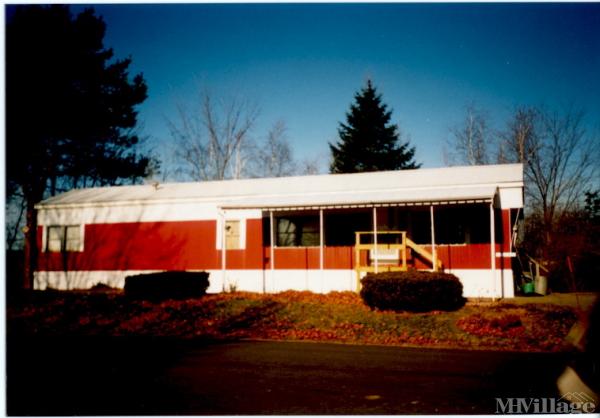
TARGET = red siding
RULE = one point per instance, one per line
(471, 256)
(340, 258)
(296, 258)
(155, 246)
(506, 230)
(190, 245)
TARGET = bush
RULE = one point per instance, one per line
(166, 285)
(101, 287)
(417, 291)
(14, 275)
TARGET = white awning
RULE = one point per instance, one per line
(403, 197)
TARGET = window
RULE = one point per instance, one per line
(72, 238)
(55, 238)
(232, 235)
(64, 238)
(297, 231)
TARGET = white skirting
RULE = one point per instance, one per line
(476, 283)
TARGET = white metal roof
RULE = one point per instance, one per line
(471, 183)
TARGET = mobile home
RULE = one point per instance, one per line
(319, 233)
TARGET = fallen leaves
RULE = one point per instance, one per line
(534, 328)
(332, 317)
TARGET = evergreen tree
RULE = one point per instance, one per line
(70, 109)
(368, 141)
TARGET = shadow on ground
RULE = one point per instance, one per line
(166, 376)
(91, 375)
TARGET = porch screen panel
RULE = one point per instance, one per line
(419, 225)
(340, 227)
(462, 225)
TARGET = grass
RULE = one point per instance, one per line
(334, 317)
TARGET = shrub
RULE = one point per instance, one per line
(417, 291)
(101, 287)
(166, 285)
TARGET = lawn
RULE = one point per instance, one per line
(334, 317)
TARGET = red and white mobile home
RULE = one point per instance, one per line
(327, 230)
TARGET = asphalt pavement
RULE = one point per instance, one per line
(159, 376)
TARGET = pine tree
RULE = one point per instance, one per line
(368, 141)
(71, 109)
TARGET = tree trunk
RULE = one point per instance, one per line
(53, 185)
(12, 237)
(30, 250)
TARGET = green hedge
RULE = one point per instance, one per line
(417, 291)
(167, 285)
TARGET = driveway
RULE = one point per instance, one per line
(117, 376)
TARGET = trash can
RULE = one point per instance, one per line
(527, 288)
(541, 285)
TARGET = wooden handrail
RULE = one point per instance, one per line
(423, 253)
(406, 242)
(401, 247)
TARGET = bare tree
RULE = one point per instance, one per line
(470, 139)
(519, 142)
(15, 220)
(274, 158)
(213, 140)
(560, 160)
(313, 165)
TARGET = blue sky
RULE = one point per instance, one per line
(302, 63)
